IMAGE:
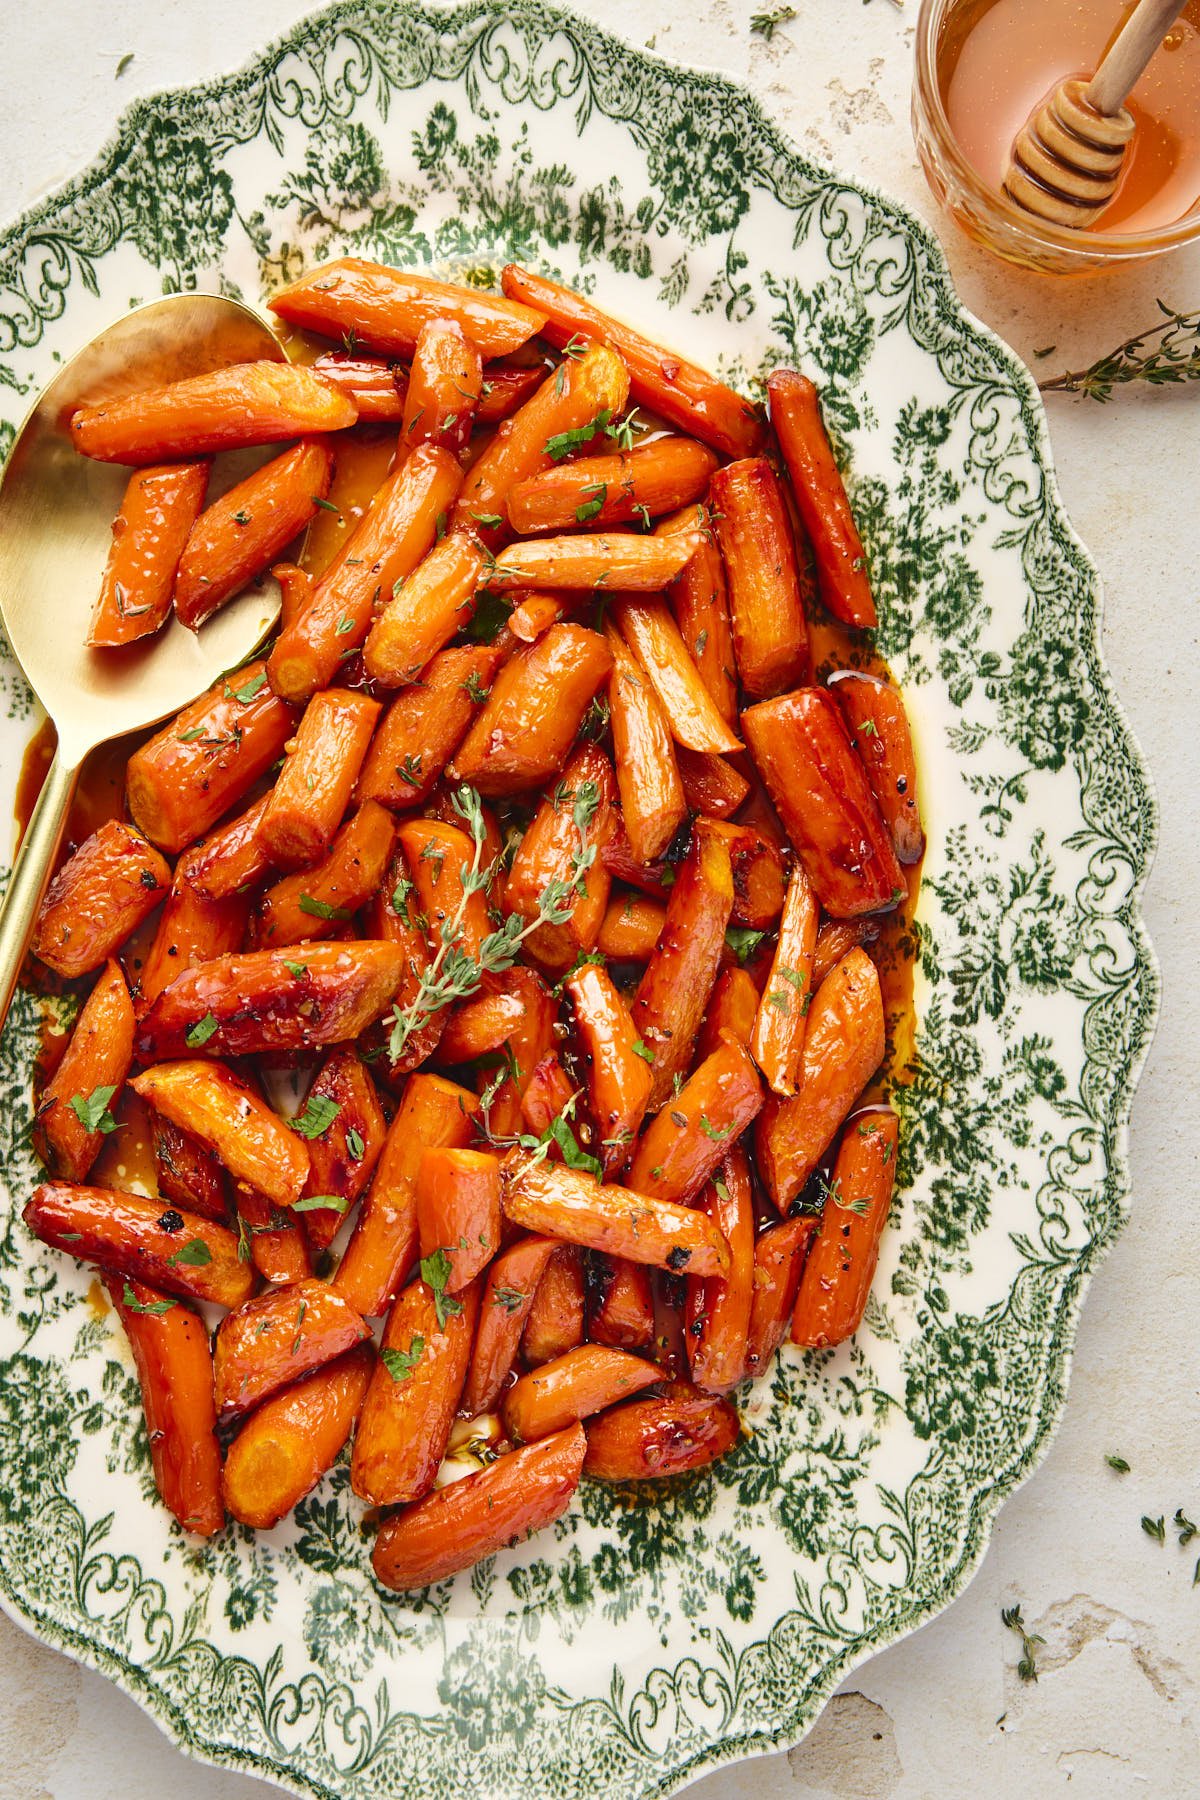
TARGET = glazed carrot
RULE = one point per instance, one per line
(443, 388)
(444, 806)
(732, 1010)
(458, 1211)
(878, 724)
(424, 725)
(656, 877)
(295, 592)
(669, 1349)
(176, 1252)
(386, 545)
(572, 1387)
(694, 1132)
(449, 1530)
(825, 801)
(711, 785)
(581, 393)
(480, 1025)
(779, 1254)
(405, 1421)
(620, 1303)
(227, 409)
(686, 396)
(376, 387)
(149, 534)
(530, 1039)
(639, 484)
(551, 851)
(282, 1452)
(273, 1340)
(779, 1029)
(647, 626)
(383, 1248)
(718, 1311)
(217, 1107)
(548, 1093)
(650, 1438)
(425, 611)
(557, 1314)
(385, 308)
(841, 1264)
(174, 1365)
(619, 1077)
(309, 799)
(700, 603)
(757, 868)
(821, 498)
(270, 1000)
(231, 859)
(536, 613)
(508, 1293)
(521, 736)
(561, 1202)
(346, 1131)
(652, 800)
(507, 386)
(440, 858)
(393, 916)
(191, 930)
(206, 759)
(631, 927)
(836, 938)
(114, 880)
(312, 902)
(770, 631)
(617, 561)
(242, 533)
(673, 992)
(273, 1238)
(842, 1050)
(187, 1171)
(74, 1114)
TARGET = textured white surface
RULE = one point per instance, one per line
(1116, 1711)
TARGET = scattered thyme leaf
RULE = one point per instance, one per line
(1027, 1667)
(202, 1030)
(92, 1112)
(155, 1307)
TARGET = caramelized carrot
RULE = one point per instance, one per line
(441, 858)
(551, 851)
(507, 386)
(424, 725)
(843, 1048)
(732, 1010)
(217, 1107)
(282, 1452)
(686, 396)
(555, 1320)
(114, 880)
(640, 484)
(778, 1261)
(443, 388)
(458, 1211)
(669, 1293)
(385, 308)
(560, 1202)
(227, 409)
(242, 533)
(536, 613)
(821, 498)
(191, 930)
(573, 1387)
(174, 1365)
(395, 532)
(693, 1134)
(479, 1026)
(673, 992)
(149, 534)
(770, 631)
(391, 915)
(309, 799)
(620, 1303)
(518, 1494)
(779, 1029)
(878, 724)
(275, 1339)
(424, 612)
(508, 1293)
(711, 785)
(616, 561)
(342, 1153)
(206, 759)
(312, 902)
(825, 801)
(836, 938)
(757, 868)
(376, 387)
(74, 1114)
(530, 1039)
(232, 859)
(652, 800)
(406, 1418)
(631, 927)
(272, 1238)
(646, 624)
(701, 606)
(187, 1171)
(651, 1438)
(548, 1093)
(718, 1311)
(841, 1264)
(295, 591)
(176, 1252)
(619, 1077)
(521, 736)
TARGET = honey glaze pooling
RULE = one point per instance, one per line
(999, 60)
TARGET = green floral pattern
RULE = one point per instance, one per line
(650, 1636)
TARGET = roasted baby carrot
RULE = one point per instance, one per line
(652, 800)
(602, 563)
(836, 938)
(174, 1251)
(841, 1264)
(480, 1025)
(190, 930)
(643, 483)
(757, 868)
(631, 927)
(686, 396)
(174, 1364)
(114, 880)
(377, 387)
(560, 1202)
(458, 1212)
(243, 532)
(673, 993)
(647, 626)
(309, 799)
(573, 1387)
(689, 1138)
(556, 1318)
(312, 902)
(548, 1093)
(842, 573)
(669, 1294)
(770, 631)
(273, 1340)
(718, 1309)
(392, 915)
(218, 1107)
(272, 1238)
(878, 724)
(187, 1171)
(425, 611)
(149, 534)
(620, 1303)
(525, 728)
(843, 1047)
(206, 759)
(295, 591)
(732, 1010)
(572, 820)
(618, 1065)
(531, 1037)
(385, 309)
(345, 1129)
(779, 1029)
(232, 858)
(443, 388)
(711, 784)
(74, 1114)
(519, 1493)
(281, 1453)
(779, 1254)
(653, 1437)
(508, 1293)
(227, 409)
(700, 602)
(822, 794)
(405, 1421)
(507, 386)
(424, 725)
(441, 858)
(536, 613)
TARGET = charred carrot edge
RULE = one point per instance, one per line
(426, 610)
(673, 992)
(779, 1254)
(217, 1107)
(150, 532)
(631, 927)
(652, 799)
(766, 608)
(821, 497)
(458, 1211)
(405, 1421)
(573, 1387)
(342, 1157)
(618, 1064)
(642, 483)
(519, 1493)
(560, 1202)
(186, 1171)
(385, 308)
(311, 903)
(877, 721)
(650, 1438)
(143, 1240)
(782, 1021)
(685, 395)
(376, 387)
(227, 409)
(281, 1453)
(700, 602)
(308, 801)
(620, 1303)
(191, 930)
(424, 725)
(689, 1138)
(647, 626)
(174, 1365)
(841, 1264)
(508, 1295)
(272, 1341)
(732, 1010)
(444, 385)
(96, 1059)
(113, 881)
(606, 561)
(669, 1295)
(523, 732)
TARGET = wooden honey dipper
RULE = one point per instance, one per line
(1067, 159)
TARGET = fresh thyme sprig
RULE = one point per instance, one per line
(1161, 354)
(1027, 1667)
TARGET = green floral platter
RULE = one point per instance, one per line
(648, 1637)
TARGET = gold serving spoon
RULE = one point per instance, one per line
(56, 514)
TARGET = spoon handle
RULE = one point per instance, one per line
(1132, 48)
(31, 871)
